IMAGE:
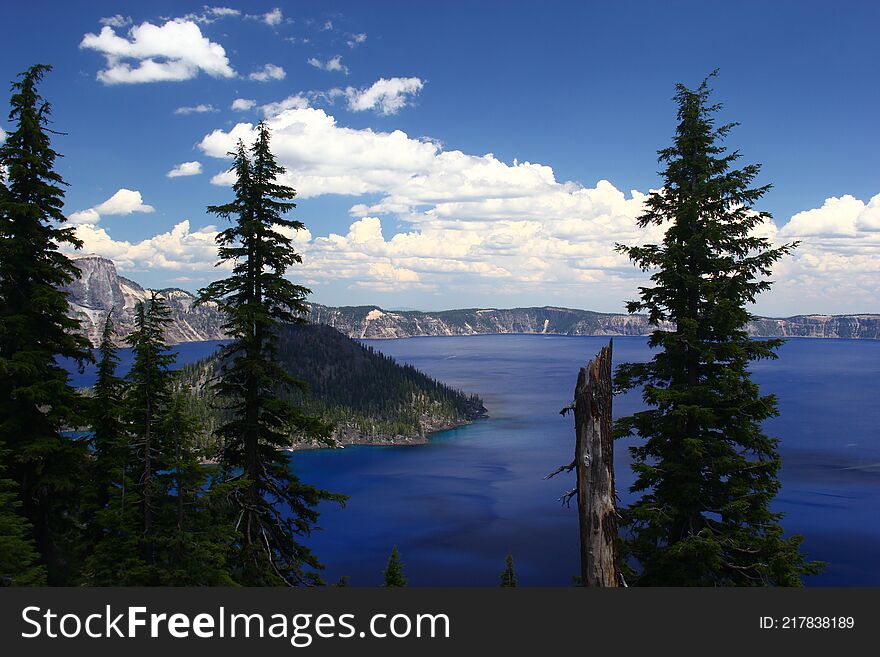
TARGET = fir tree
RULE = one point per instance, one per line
(18, 558)
(194, 525)
(393, 575)
(159, 527)
(149, 391)
(706, 471)
(36, 401)
(274, 508)
(109, 440)
(508, 576)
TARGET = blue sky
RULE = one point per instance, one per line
(385, 114)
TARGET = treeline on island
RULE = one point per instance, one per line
(367, 396)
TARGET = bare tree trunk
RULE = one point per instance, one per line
(594, 465)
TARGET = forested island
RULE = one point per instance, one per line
(368, 397)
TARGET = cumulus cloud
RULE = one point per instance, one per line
(179, 248)
(123, 202)
(475, 223)
(268, 72)
(443, 221)
(174, 51)
(195, 109)
(185, 169)
(356, 39)
(243, 104)
(296, 101)
(384, 96)
(332, 64)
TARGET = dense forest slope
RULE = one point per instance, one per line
(371, 398)
(101, 289)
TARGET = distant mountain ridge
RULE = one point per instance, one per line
(100, 289)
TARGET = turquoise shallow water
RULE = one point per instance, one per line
(456, 506)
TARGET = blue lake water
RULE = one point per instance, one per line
(457, 506)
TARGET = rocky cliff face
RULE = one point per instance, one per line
(101, 289)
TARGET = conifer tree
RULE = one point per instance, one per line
(705, 470)
(149, 392)
(19, 561)
(393, 575)
(36, 400)
(159, 526)
(109, 440)
(274, 508)
(508, 575)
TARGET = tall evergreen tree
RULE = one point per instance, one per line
(393, 576)
(36, 400)
(706, 471)
(19, 561)
(109, 440)
(508, 575)
(159, 527)
(274, 508)
(149, 392)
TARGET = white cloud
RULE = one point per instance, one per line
(2, 136)
(384, 96)
(174, 51)
(356, 39)
(210, 15)
(477, 224)
(270, 18)
(332, 64)
(453, 223)
(243, 104)
(185, 169)
(179, 248)
(89, 216)
(195, 109)
(268, 72)
(297, 101)
(123, 202)
(222, 11)
(116, 21)
(328, 25)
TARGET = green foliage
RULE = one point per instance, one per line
(508, 575)
(706, 471)
(393, 575)
(354, 386)
(18, 558)
(274, 508)
(36, 402)
(158, 526)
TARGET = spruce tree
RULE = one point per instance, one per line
(706, 472)
(393, 575)
(274, 508)
(36, 400)
(508, 575)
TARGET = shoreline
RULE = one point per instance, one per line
(363, 440)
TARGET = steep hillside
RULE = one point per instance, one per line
(371, 398)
